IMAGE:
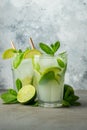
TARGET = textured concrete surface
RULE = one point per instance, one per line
(46, 21)
(20, 117)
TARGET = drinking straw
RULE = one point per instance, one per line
(12, 44)
(32, 43)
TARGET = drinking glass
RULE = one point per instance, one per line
(24, 72)
(49, 73)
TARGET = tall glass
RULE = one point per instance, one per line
(49, 79)
(24, 72)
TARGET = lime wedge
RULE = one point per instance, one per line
(31, 53)
(9, 53)
(26, 94)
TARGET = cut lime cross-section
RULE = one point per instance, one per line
(26, 94)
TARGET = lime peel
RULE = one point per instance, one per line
(9, 53)
(26, 94)
(31, 53)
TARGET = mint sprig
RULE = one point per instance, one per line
(10, 96)
(69, 97)
(50, 49)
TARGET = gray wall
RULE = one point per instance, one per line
(46, 21)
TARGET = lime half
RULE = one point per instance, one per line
(31, 53)
(26, 94)
(9, 53)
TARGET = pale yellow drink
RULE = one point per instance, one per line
(49, 80)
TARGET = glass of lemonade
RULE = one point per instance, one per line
(49, 79)
(24, 72)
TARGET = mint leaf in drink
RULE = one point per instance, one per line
(46, 48)
(60, 63)
(9, 97)
(63, 57)
(18, 84)
(55, 46)
(47, 77)
(17, 60)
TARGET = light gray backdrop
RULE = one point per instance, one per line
(46, 21)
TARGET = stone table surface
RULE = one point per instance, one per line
(22, 117)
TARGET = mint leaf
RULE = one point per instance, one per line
(46, 48)
(46, 77)
(69, 97)
(8, 97)
(12, 91)
(65, 103)
(60, 63)
(17, 60)
(55, 46)
(76, 104)
(18, 84)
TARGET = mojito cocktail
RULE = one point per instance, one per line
(24, 72)
(49, 79)
(22, 66)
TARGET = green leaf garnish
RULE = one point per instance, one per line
(12, 91)
(18, 59)
(61, 63)
(65, 103)
(46, 48)
(69, 98)
(9, 96)
(18, 84)
(51, 49)
(47, 77)
(55, 46)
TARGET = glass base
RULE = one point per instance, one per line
(50, 105)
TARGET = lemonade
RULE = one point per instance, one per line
(45, 72)
(39, 76)
(24, 72)
(22, 67)
(49, 78)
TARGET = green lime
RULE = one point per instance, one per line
(31, 53)
(49, 74)
(9, 53)
(26, 94)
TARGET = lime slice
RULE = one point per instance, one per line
(8, 53)
(31, 53)
(26, 94)
(49, 74)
